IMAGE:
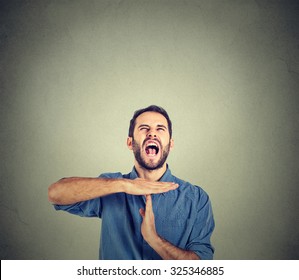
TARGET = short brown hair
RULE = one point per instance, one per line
(152, 108)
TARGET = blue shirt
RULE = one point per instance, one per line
(182, 216)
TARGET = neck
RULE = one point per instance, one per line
(151, 175)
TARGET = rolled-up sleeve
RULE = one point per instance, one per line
(88, 208)
(200, 237)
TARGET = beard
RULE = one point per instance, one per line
(150, 165)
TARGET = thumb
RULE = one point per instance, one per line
(142, 212)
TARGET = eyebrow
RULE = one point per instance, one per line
(162, 125)
(159, 125)
(143, 125)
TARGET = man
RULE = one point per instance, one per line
(148, 213)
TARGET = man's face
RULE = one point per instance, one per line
(151, 141)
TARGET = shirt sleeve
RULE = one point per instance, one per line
(88, 208)
(200, 237)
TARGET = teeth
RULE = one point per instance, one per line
(152, 144)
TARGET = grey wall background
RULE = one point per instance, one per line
(73, 73)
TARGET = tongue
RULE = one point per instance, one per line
(151, 151)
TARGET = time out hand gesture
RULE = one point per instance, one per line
(164, 248)
(144, 187)
(148, 228)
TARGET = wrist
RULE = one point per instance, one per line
(154, 240)
(114, 185)
(122, 185)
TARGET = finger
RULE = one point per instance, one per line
(142, 213)
(170, 186)
(161, 188)
(165, 184)
(149, 205)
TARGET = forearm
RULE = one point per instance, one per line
(75, 189)
(168, 251)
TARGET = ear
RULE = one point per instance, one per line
(130, 143)
(171, 143)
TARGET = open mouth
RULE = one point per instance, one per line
(152, 149)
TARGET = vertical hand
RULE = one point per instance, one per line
(148, 228)
(164, 248)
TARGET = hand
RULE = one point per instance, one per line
(164, 248)
(143, 187)
(148, 228)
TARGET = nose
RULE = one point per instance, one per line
(151, 134)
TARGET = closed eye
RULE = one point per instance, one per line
(143, 128)
(161, 128)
